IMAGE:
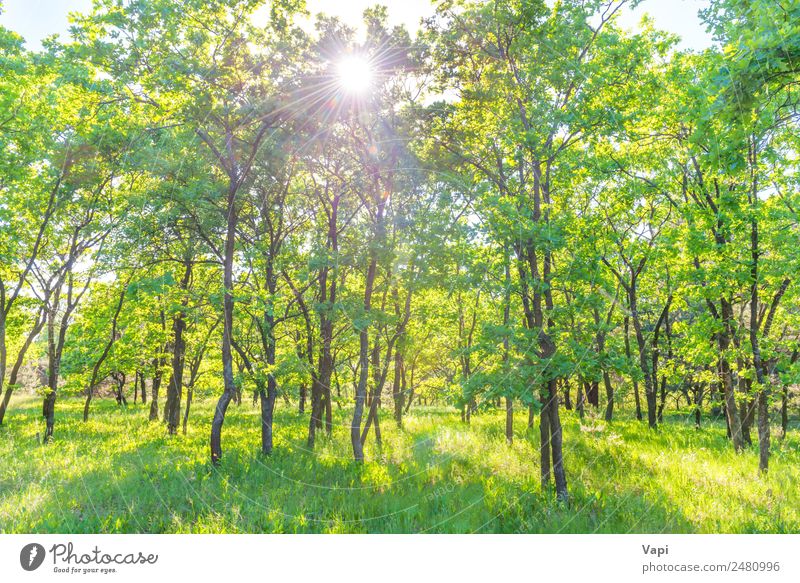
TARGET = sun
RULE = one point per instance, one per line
(354, 74)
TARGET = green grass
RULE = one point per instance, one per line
(119, 473)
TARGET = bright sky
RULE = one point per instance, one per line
(36, 19)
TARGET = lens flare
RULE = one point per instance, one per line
(354, 74)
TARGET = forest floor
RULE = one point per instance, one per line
(119, 473)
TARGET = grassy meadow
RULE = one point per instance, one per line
(120, 474)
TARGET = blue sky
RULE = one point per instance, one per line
(36, 19)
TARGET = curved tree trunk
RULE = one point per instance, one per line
(12, 379)
(103, 356)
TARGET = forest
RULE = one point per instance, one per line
(522, 270)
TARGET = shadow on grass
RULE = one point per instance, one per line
(119, 473)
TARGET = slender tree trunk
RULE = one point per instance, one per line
(652, 403)
(172, 411)
(268, 399)
(143, 387)
(158, 372)
(119, 378)
(647, 359)
(784, 410)
(747, 409)
(316, 413)
(544, 444)
(397, 386)
(321, 380)
(556, 443)
(155, 386)
(509, 420)
(363, 335)
(507, 340)
(763, 429)
(580, 398)
(762, 396)
(411, 391)
(379, 378)
(328, 280)
(229, 390)
(609, 396)
(328, 409)
(731, 411)
(3, 355)
(55, 342)
(104, 355)
(668, 332)
(12, 379)
(633, 376)
(663, 400)
(698, 403)
(48, 406)
(189, 394)
(361, 389)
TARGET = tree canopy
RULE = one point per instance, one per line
(518, 205)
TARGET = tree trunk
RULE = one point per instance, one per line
(648, 359)
(567, 396)
(189, 393)
(104, 355)
(633, 376)
(143, 387)
(698, 403)
(556, 444)
(328, 280)
(12, 379)
(119, 378)
(731, 412)
(172, 411)
(509, 420)
(363, 335)
(397, 386)
(229, 390)
(361, 389)
(762, 396)
(316, 412)
(609, 396)
(580, 398)
(784, 410)
(3, 356)
(747, 411)
(763, 429)
(652, 403)
(154, 388)
(158, 365)
(544, 443)
(48, 406)
(593, 393)
(268, 399)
